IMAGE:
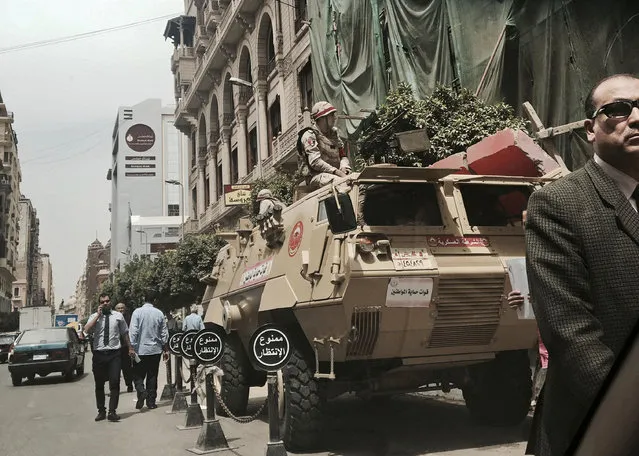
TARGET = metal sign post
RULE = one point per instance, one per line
(194, 415)
(168, 393)
(208, 349)
(270, 350)
(179, 397)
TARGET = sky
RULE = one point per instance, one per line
(65, 98)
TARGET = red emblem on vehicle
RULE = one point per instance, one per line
(295, 239)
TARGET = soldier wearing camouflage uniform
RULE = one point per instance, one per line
(321, 149)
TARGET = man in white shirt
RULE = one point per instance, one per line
(193, 321)
(108, 328)
(582, 241)
(149, 337)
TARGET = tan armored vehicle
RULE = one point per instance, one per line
(393, 280)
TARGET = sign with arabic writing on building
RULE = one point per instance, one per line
(140, 137)
(269, 348)
(208, 346)
(409, 292)
(237, 195)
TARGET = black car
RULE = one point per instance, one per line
(6, 340)
(43, 351)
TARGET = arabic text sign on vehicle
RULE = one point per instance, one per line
(458, 241)
(409, 292)
(256, 273)
(186, 344)
(409, 258)
(174, 343)
(270, 348)
(208, 346)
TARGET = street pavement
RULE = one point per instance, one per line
(51, 417)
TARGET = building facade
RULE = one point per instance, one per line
(238, 130)
(47, 280)
(147, 152)
(25, 286)
(10, 177)
(96, 271)
(154, 235)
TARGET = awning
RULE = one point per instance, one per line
(172, 30)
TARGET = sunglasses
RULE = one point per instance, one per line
(617, 109)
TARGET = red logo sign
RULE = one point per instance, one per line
(295, 239)
(458, 241)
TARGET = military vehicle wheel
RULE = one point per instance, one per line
(302, 406)
(235, 383)
(500, 391)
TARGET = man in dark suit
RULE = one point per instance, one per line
(582, 238)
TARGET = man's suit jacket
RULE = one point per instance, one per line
(582, 240)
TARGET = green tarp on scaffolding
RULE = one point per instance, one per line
(548, 52)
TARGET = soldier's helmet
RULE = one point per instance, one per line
(265, 193)
(321, 109)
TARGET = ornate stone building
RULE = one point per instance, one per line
(242, 129)
(96, 271)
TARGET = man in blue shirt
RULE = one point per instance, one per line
(193, 321)
(149, 337)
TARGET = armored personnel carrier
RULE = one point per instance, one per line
(391, 280)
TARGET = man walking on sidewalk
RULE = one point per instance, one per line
(125, 359)
(149, 337)
(193, 321)
(108, 329)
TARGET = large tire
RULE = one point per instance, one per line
(16, 379)
(500, 391)
(302, 425)
(235, 382)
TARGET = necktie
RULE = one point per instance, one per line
(106, 332)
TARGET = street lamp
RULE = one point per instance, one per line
(243, 83)
(146, 240)
(176, 182)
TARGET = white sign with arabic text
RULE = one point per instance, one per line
(409, 292)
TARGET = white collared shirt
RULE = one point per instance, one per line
(117, 328)
(626, 184)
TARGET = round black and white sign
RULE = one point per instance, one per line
(270, 348)
(186, 344)
(208, 346)
(174, 343)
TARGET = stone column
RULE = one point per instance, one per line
(262, 119)
(242, 143)
(226, 155)
(201, 179)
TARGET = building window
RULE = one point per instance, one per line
(16, 292)
(194, 204)
(193, 151)
(300, 13)
(172, 231)
(275, 121)
(252, 144)
(174, 210)
(306, 86)
(220, 185)
(6, 156)
(270, 50)
(234, 166)
(207, 192)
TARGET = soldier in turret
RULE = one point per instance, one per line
(321, 149)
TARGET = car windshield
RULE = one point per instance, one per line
(6, 340)
(400, 205)
(43, 336)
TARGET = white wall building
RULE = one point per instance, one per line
(154, 235)
(147, 151)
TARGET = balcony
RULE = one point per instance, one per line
(201, 39)
(206, 221)
(190, 226)
(212, 17)
(284, 145)
(183, 64)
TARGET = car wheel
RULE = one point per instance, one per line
(80, 369)
(16, 380)
(31, 377)
(68, 376)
